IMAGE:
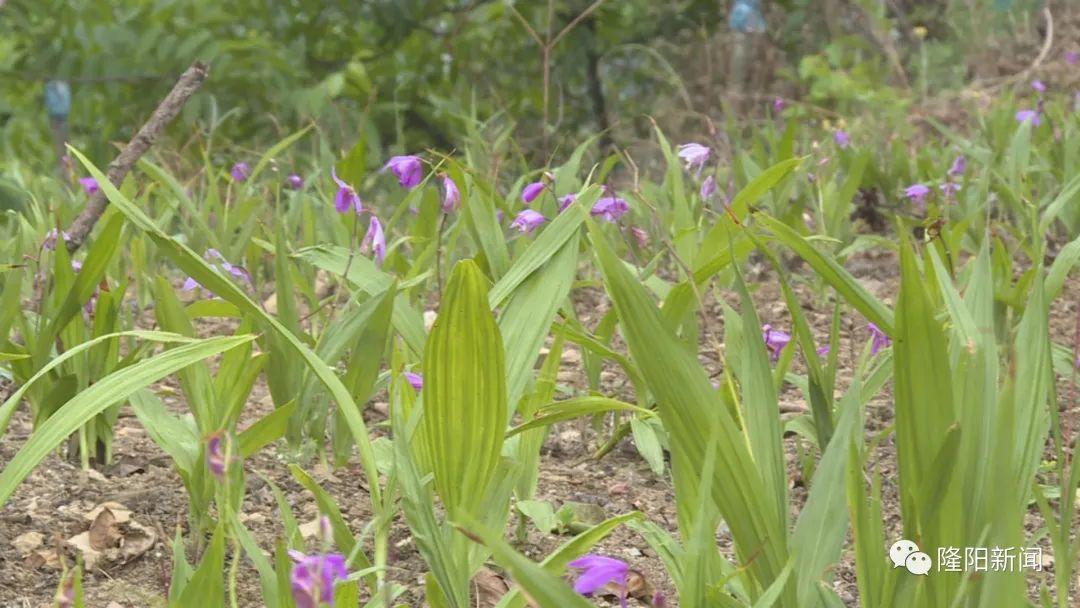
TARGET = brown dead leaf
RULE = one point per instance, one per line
(489, 588)
(119, 511)
(138, 539)
(637, 587)
(105, 531)
(43, 558)
(25, 543)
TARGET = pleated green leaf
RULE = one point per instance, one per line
(464, 393)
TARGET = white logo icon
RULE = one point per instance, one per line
(906, 553)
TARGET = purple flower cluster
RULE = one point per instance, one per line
(313, 577)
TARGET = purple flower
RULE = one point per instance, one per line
(822, 350)
(1031, 116)
(566, 201)
(89, 184)
(375, 239)
(695, 155)
(640, 236)
(708, 188)
(1038, 85)
(532, 191)
(842, 138)
(346, 196)
(452, 199)
(294, 181)
(236, 271)
(916, 192)
(880, 340)
(610, 208)
(50, 239)
(527, 221)
(1072, 57)
(959, 166)
(775, 341)
(658, 600)
(408, 169)
(240, 171)
(778, 105)
(189, 284)
(950, 188)
(597, 571)
(216, 456)
(313, 577)
(416, 380)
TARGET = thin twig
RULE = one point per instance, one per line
(164, 114)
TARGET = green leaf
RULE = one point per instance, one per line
(177, 438)
(464, 393)
(561, 411)
(207, 586)
(265, 430)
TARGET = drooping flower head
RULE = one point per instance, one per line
(594, 572)
(294, 181)
(778, 105)
(527, 221)
(416, 380)
(694, 155)
(452, 196)
(408, 169)
(566, 201)
(879, 341)
(842, 138)
(217, 456)
(1031, 116)
(346, 197)
(1038, 85)
(610, 208)
(708, 188)
(375, 241)
(775, 341)
(917, 192)
(532, 191)
(313, 577)
(959, 166)
(89, 184)
(240, 171)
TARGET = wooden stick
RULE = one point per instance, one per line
(167, 110)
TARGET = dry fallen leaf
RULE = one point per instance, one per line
(105, 531)
(119, 511)
(25, 543)
(43, 558)
(489, 588)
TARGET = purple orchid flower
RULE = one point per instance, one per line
(694, 155)
(89, 184)
(217, 458)
(1031, 116)
(778, 105)
(240, 171)
(346, 196)
(236, 271)
(842, 139)
(640, 237)
(950, 188)
(527, 221)
(313, 577)
(959, 166)
(375, 239)
(823, 350)
(917, 192)
(50, 239)
(294, 181)
(532, 191)
(1038, 85)
(408, 169)
(775, 341)
(880, 340)
(610, 208)
(708, 188)
(566, 201)
(597, 571)
(416, 380)
(658, 600)
(452, 199)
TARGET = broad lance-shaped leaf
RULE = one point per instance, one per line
(464, 392)
(693, 415)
